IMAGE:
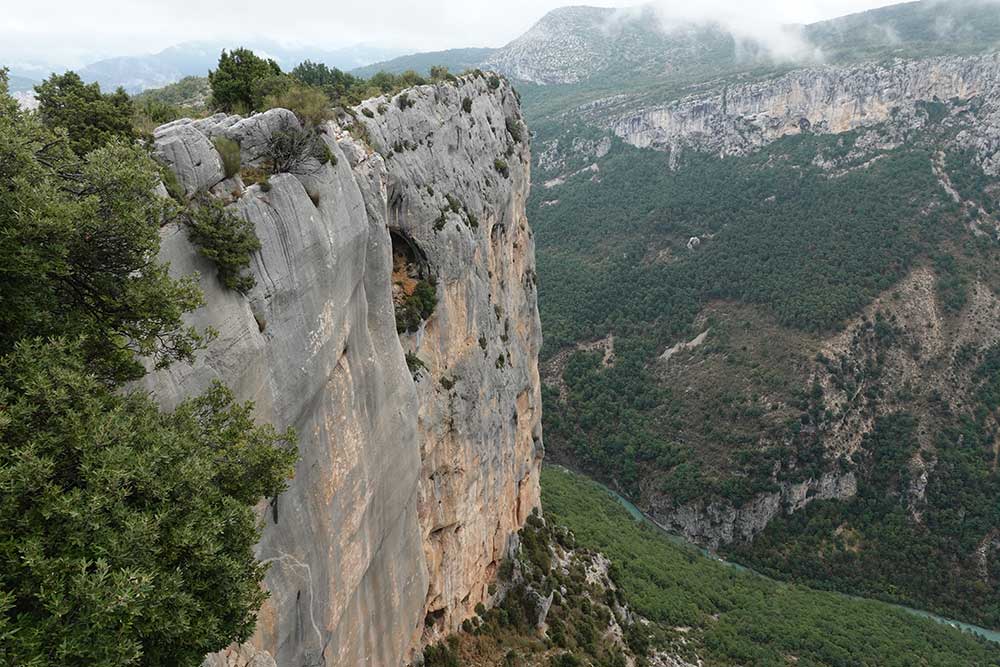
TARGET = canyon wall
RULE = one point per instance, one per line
(734, 119)
(415, 469)
(458, 163)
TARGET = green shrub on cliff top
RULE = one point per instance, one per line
(237, 81)
(229, 150)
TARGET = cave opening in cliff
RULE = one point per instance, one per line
(414, 289)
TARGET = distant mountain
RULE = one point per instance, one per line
(20, 84)
(912, 29)
(137, 73)
(456, 60)
(573, 44)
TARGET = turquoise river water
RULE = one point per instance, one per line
(639, 515)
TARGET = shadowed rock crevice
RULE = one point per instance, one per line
(414, 287)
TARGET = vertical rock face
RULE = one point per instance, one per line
(737, 119)
(458, 162)
(406, 492)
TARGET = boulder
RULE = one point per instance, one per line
(189, 153)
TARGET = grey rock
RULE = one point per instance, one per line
(406, 495)
(716, 523)
(543, 604)
(740, 118)
(240, 655)
(216, 124)
(481, 443)
(189, 153)
(253, 133)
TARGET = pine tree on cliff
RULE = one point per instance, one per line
(243, 79)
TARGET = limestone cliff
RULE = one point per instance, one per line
(413, 475)
(458, 164)
(717, 523)
(733, 119)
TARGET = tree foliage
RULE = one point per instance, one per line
(309, 104)
(226, 239)
(240, 82)
(413, 309)
(338, 86)
(78, 244)
(126, 532)
(90, 118)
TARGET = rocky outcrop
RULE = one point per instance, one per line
(566, 46)
(737, 119)
(458, 179)
(716, 523)
(405, 491)
(190, 154)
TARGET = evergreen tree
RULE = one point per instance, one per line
(78, 244)
(90, 118)
(126, 533)
(242, 80)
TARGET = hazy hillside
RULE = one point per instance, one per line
(138, 73)
(456, 60)
(21, 84)
(912, 29)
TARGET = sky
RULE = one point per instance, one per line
(75, 32)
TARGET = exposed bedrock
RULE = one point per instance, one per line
(410, 483)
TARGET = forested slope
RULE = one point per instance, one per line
(786, 350)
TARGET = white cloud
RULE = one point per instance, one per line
(773, 24)
(71, 32)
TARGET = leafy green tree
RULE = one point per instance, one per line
(238, 84)
(79, 239)
(338, 86)
(126, 534)
(90, 118)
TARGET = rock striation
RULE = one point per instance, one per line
(740, 118)
(459, 171)
(415, 469)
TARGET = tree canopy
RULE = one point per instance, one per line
(78, 243)
(126, 532)
(90, 118)
(240, 81)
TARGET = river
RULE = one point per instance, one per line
(639, 515)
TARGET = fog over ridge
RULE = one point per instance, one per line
(59, 32)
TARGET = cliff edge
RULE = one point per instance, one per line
(420, 448)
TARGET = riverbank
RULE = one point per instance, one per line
(715, 573)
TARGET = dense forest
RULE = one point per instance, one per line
(771, 254)
(873, 545)
(728, 616)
